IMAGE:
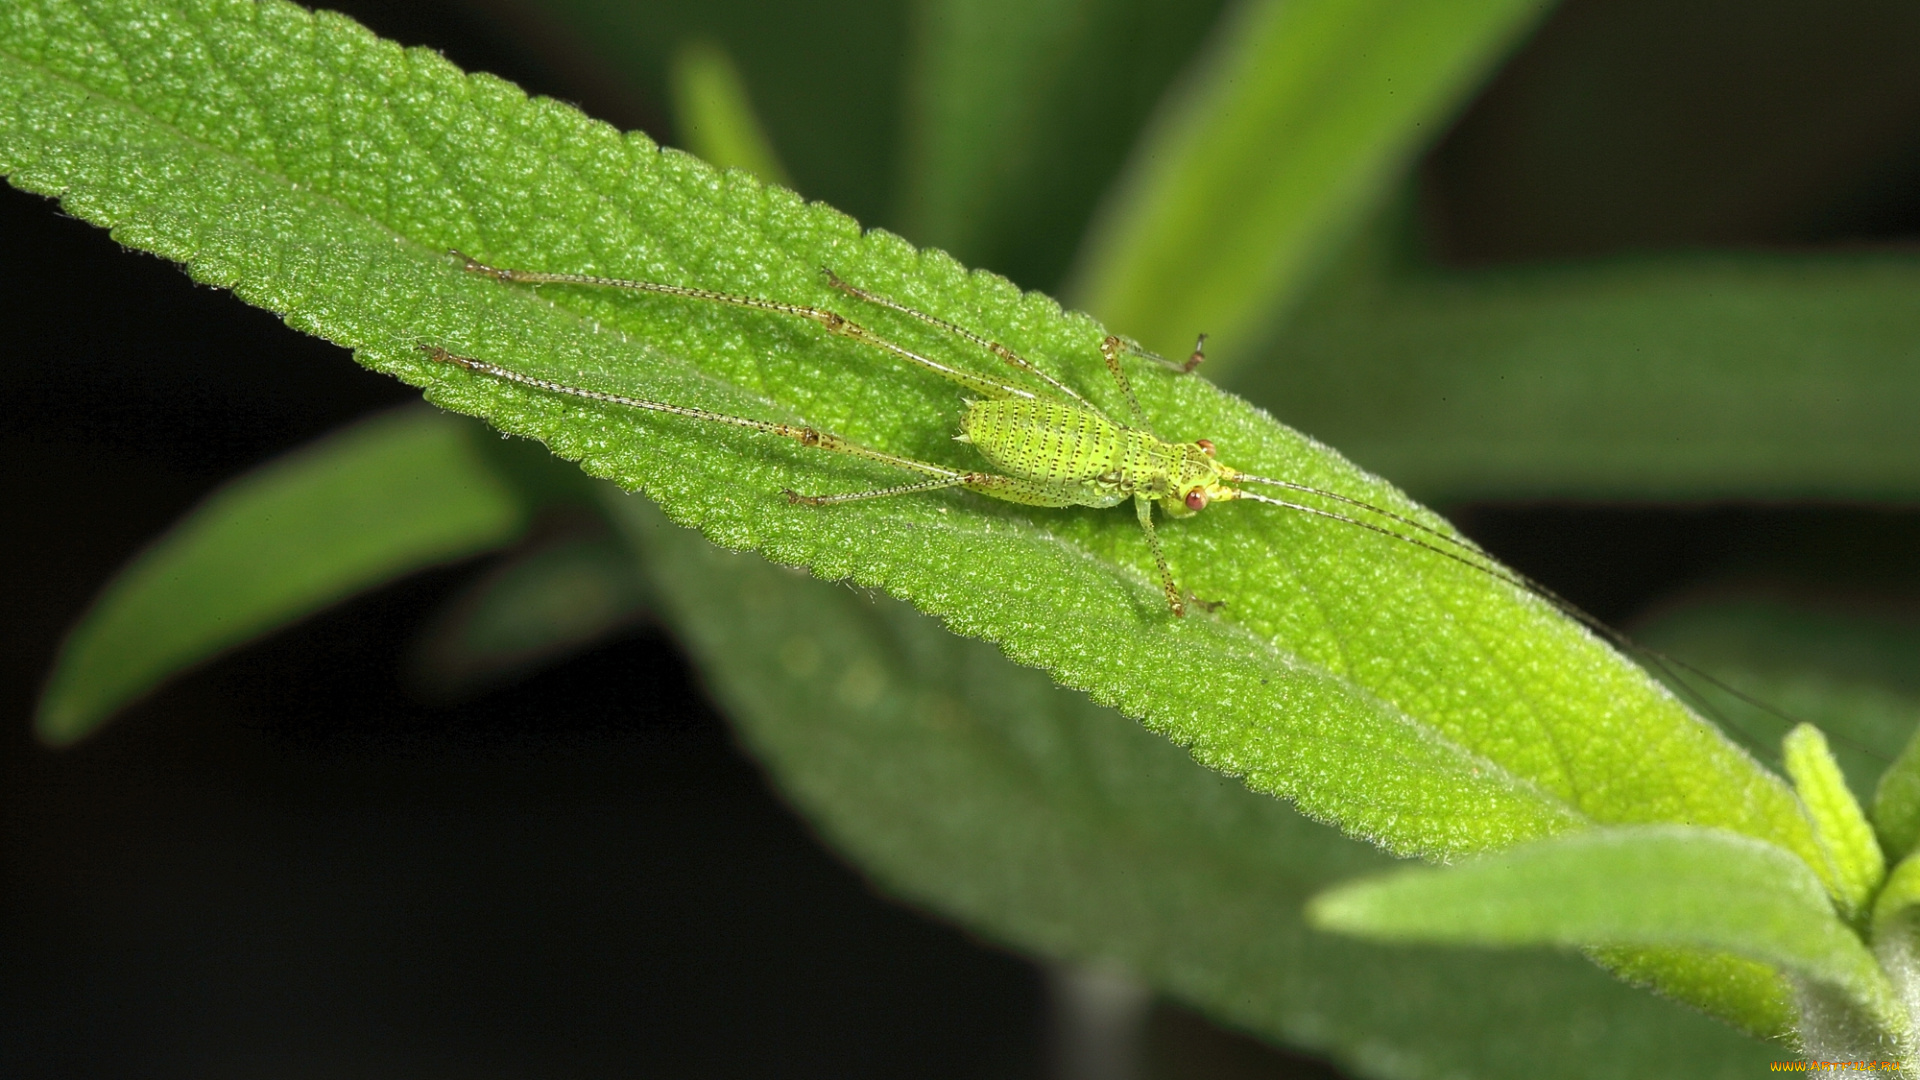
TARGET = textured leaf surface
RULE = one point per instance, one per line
(1289, 131)
(1667, 885)
(1044, 821)
(376, 501)
(1744, 376)
(322, 173)
(1841, 826)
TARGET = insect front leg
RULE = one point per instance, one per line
(1176, 600)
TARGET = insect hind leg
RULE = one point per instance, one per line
(958, 480)
(1012, 358)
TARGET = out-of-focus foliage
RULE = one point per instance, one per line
(1647, 375)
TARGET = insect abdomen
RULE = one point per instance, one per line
(1044, 440)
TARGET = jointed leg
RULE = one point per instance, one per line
(806, 436)
(1144, 507)
(957, 480)
(991, 346)
(833, 322)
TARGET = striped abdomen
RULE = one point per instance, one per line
(1081, 457)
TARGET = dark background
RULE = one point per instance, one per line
(284, 864)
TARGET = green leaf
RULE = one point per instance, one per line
(1643, 886)
(535, 608)
(1838, 821)
(1858, 867)
(825, 74)
(375, 502)
(1678, 376)
(1896, 801)
(1288, 132)
(1898, 900)
(715, 116)
(1021, 113)
(980, 791)
(322, 173)
(1896, 932)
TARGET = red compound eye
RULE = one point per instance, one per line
(1196, 499)
(1205, 445)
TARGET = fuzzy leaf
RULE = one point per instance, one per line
(978, 790)
(323, 173)
(1678, 376)
(1643, 886)
(1291, 128)
(1841, 826)
(372, 503)
(1896, 801)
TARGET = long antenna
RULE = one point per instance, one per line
(1467, 553)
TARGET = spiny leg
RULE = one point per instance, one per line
(805, 436)
(833, 322)
(958, 480)
(1110, 350)
(1143, 506)
(988, 344)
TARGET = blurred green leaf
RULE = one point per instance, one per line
(715, 115)
(1858, 866)
(1896, 801)
(1419, 704)
(1286, 134)
(1900, 898)
(1044, 821)
(375, 502)
(1677, 376)
(1021, 113)
(1640, 886)
(542, 604)
(825, 76)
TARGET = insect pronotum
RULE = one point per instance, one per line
(1050, 445)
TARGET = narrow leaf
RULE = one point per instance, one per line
(1896, 802)
(1021, 113)
(1900, 899)
(825, 75)
(976, 789)
(1289, 130)
(1857, 866)
(1678, 376)
(534, 609)
(373, 503)
(324, 173)
(714, 114)
(1635, 886)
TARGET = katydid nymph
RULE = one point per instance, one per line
(1052, 446)
(1056, 448)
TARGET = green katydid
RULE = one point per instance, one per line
(1055, 448)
